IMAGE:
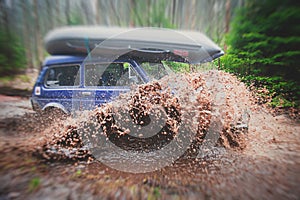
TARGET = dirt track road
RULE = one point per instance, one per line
(268, 168)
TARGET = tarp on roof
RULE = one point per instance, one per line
(142, 43)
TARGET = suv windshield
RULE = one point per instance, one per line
(155, 71)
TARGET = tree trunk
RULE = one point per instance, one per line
(67, 11)
(26, 35)
(50, 14)
(227, 19)
(97, 12)
(57, 14)
(4, 17)
(39, 47)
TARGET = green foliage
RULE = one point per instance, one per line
(24, 78)
(78, 172)
(280, 101)
(12, 54)
(76, 18)
(6, 79)
(154, 15)
(284, 93)
(177, 66)
(156, 194)
(263, 47)
(34, 184)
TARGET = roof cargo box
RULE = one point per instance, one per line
(142, 43)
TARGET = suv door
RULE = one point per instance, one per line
(59, 83)
(105, 81)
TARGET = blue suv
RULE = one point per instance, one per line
(73, 83)
(71, 79)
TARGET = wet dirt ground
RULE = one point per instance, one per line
(267, 168)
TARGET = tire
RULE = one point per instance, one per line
(53, 114)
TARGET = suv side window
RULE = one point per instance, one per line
(115, 74)
(62, 76)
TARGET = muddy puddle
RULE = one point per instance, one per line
(196, 136)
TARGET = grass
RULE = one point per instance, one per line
(78, 172)
(155, 194)
(18, 81)
(24, 78)
(34, 184)
(6, 79)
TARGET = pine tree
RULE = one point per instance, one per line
(264, 46)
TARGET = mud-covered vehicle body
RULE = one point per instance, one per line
(90, 66)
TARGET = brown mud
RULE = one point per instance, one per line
(262, 164)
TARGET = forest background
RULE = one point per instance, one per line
(261, 38)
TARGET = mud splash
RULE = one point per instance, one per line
(195, 113)
(270, 154)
